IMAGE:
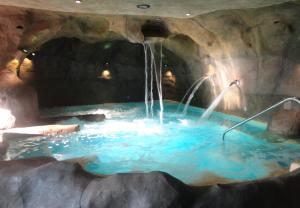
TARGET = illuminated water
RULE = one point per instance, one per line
(215, 103)
(188, 150)
(193, 93)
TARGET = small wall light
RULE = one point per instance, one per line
(169, 73)
(78, 1)
(105, 74)
(235, 82)
(31, 55)
(169, 78)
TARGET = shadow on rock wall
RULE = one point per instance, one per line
(68, 71)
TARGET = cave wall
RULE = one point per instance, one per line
(68, 71)
(260, 47)
(15, 95)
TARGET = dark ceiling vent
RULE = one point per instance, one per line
(155, 28)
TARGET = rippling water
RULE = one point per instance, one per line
(183, 147)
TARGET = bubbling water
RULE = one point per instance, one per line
(128, 142)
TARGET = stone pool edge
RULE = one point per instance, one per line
(46, 182)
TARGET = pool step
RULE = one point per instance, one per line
(38, 131)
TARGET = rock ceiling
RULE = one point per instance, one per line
(163, 8)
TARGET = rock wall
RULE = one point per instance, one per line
(18, 97)
(70, 72)
(44, 182)
(260, 47)
(286, 123)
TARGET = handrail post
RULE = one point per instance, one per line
(260, 113)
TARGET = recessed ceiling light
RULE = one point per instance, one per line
(78, 1)
(143, 6)
(33, 54)
(188, 14)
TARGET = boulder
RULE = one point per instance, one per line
(45, 182)
(34, 131)
(7, 120)
(286, 123)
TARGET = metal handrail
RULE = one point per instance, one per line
(260, 113)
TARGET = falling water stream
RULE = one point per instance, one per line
(146, 80)
(154, 73)
(200, 82)
(218, 99)
(187, 92)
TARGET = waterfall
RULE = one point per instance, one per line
(146, 80)
(201, 80)
(158, 79)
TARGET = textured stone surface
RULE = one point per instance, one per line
(68, 72)
(34, 131)
(286, 123)
(46, 183)
(18, 97)
(260, 47)
(3, 147)
(167, 8)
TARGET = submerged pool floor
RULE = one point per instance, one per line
(183, 146)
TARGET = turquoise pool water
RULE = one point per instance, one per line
(184, 147)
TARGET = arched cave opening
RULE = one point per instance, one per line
(68, 71)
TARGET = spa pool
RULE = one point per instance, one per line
(183, 146)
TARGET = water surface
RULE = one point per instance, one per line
(183, 147)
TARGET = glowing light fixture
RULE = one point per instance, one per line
(105, 74)
(78, 1)
(31, 55)
(188, 14)
(143, 6)
(169, 73)
(235, 82)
